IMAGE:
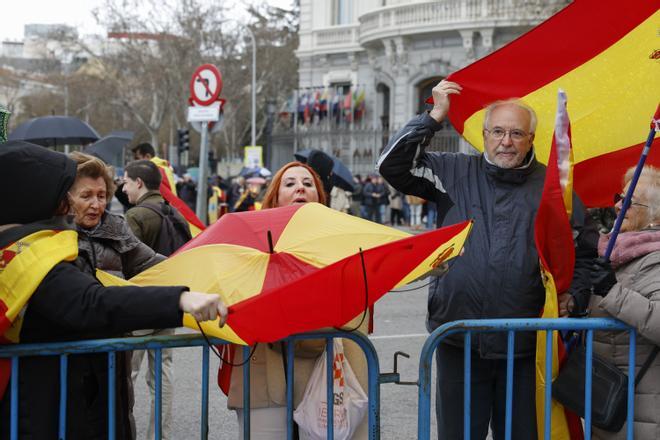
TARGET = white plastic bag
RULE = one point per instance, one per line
(350, 400)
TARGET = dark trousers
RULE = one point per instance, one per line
(487, 396)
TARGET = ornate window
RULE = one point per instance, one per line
(342, 12)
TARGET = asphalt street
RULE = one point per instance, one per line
(399, 326)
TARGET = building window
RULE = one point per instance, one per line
(342, 12)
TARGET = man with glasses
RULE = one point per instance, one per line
(498, 276)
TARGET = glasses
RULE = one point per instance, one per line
(498, 133)
(619, 197)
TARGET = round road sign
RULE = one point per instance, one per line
(206, 84)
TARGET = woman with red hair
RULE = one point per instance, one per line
(295, 182)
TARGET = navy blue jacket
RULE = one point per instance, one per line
(498, 276)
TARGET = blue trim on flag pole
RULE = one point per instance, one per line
(629, 193)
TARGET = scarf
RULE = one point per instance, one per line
(630, 245)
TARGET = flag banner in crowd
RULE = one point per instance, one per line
(554, 243)
(605, 56)
(298, 268)
(168, 191)
(194, 223)
(334, 103)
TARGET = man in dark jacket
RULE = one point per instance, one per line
(54, 301)
(498, 276)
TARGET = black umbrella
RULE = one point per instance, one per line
(110, 149)
(51, 131)
(341, 176)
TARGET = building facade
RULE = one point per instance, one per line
(388, 54)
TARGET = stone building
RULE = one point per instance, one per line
(392, 52)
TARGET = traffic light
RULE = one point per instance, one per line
(183, 135)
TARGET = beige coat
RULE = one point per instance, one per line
(268, 385)
(635, 300)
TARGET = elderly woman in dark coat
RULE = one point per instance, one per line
(106, 242)
(629, 290)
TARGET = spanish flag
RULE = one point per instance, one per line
(554, 243)
(168, 191)
(606, 55)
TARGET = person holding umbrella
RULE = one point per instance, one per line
(294, 183)
(59, 302)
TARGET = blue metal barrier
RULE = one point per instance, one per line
(157, 343)
(468, 327)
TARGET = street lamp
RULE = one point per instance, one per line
(253, 133)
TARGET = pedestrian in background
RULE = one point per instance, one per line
(415, 204)
(356, 196)
(396, 206)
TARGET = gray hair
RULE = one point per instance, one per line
(651, 176)
(518, 103)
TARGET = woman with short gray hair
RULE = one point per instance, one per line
(628, 288)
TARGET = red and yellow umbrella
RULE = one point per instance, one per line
(293, 269)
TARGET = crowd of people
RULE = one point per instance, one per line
(497, 276)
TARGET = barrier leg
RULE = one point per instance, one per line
(112, 361)
(509, 384)
(204, 434)
(467, 351)
(63, 389)
(14, 398)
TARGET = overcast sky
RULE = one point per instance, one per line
(77, 13)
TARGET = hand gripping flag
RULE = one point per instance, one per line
(606, 55)
(554, 243)
(298, 268)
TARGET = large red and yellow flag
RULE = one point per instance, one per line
(554, 243)
(606, 55)
(298, 268)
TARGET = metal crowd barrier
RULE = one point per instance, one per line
(157, 343)
(469, 327)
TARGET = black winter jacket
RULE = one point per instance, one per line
(71, 305)
(114, 248)
(498, 276)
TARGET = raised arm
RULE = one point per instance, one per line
(405, 164)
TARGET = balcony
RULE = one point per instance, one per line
(442, 15)
(336, 39)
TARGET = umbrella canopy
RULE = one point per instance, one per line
(255, 172)
(110, 149)
(51, 131)
(341, 175)
(256, 180)
(302, 261)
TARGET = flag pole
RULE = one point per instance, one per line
(655, 126)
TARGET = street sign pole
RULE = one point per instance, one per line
(205, 88)
(202, 182)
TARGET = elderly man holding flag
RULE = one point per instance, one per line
(499, 275)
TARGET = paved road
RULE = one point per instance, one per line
(399, 326)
